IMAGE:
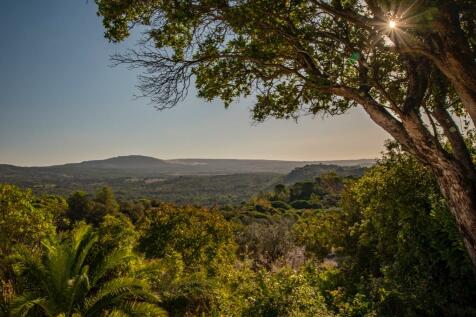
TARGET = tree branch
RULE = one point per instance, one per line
(380, 116)
(452, 133)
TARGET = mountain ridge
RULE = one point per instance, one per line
(363, 162)
(146, 166)
(204, 181)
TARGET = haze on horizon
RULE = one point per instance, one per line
(61, 102)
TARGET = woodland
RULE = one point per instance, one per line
(399, 240)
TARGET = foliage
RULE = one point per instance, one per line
(267, 244)
(116, 232)
(188, 292)
(371, 246)
(283, 293)
(280, 205)
(25, 220)
(202, 237)
(106, 201)
(63, 281)
(82, 207)
(398, 248)
(406, 240)
(321, 232)
(204, 190)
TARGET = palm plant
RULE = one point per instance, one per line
(68, 280)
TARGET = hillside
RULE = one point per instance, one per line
(122, 162)
(310, 172)
(144, 166)
(197, 181)
(192, 189)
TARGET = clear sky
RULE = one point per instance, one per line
(60, 101)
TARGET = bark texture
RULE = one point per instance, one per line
(460, 194)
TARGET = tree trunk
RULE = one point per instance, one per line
(460, 194)
(456, 178)
(462, 74)
(456, 58)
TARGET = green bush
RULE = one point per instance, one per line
(280, 205)
(301, 204)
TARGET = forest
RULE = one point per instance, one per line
(383, 244)
(397, 238)
(218, 187)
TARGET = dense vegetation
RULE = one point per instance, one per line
(383, 244)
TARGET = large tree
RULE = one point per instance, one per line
(409, 64)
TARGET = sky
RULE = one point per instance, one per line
(61, 101)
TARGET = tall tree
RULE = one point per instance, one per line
(409, 63)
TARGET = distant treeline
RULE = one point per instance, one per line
(206, 190)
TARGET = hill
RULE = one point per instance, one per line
(310, 172)
(144, 166)
(197, 181)
(129, 161)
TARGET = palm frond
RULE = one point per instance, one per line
(117, 290)
(23, 304)
(80, 234)
(25, 263)
(109, 263)
(117, 313)
(82, 247)
(142, 309)
(62, 284)
(57, 264)
(79, 289)
(148, 268)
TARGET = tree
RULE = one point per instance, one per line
(196, 248)
(202, 237)
(280, 192)
(396, 246)
(65, 281)
(21, 222)
(106, 201)
(83, 207)
(282, 293)
(80, 207)
(301, 191)
(24, 221)
(404, 243)
(409, 64)
(267, 243)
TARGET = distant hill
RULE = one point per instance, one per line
(144, 166)
(201, 181)
(310, 172)
(232, 166)
(126, 162)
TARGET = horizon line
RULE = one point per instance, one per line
(195, 158)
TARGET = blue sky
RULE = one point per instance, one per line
(60, 102)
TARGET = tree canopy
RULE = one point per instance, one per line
(332, 246)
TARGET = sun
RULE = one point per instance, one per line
(392, 24)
